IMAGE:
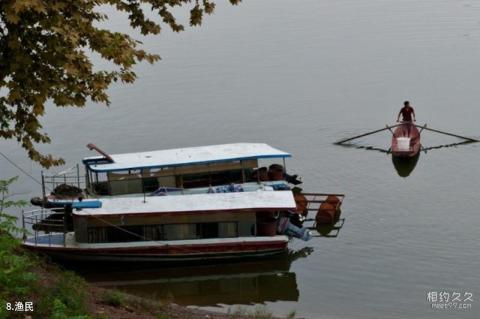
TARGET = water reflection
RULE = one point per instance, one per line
(246, 282)
(405, 165)
(330, 231)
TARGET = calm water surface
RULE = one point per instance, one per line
(300, 75)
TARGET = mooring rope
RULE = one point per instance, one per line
(20, 168)
(120, 228)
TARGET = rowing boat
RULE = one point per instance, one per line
(406, 140)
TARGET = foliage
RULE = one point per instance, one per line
(44, 56)
(15, 274)
(60, 311)
(64, 298)
(113, 298)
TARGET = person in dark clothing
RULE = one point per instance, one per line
(276, 172)
(408, 115)
(260, 175)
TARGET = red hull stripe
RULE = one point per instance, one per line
(171, 249)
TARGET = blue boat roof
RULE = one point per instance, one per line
(184, 156)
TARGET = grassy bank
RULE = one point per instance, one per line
(31, 281)
(27, 281)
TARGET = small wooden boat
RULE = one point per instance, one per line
(406, 140)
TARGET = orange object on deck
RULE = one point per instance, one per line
(333, 200)
(302, 204)
(326, 214)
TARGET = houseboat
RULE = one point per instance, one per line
(133, 174)
(191, 204)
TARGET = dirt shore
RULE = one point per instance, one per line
(133, 307)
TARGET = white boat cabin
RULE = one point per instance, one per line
(145, 172)
(186, 217)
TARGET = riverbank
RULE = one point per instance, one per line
(54, 292)
(33, 287)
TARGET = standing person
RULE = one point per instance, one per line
(406, 112)
(408, 115)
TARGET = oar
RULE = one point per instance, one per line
(423, 148)
(450, 134)
(366, 134)
(447, 145)
(368, 148)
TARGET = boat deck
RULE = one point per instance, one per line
(47, 239)
(57, 240)
(174, 251)
(406, 130)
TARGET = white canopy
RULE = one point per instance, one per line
(281, 200)
(185, 156)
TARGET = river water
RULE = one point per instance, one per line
(300, 75)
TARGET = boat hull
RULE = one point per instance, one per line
(164, 253)
(406, 130)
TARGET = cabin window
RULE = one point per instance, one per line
(153, 232)
(100, 188)
(162, 232)
(167, 181)
(150, 184)
(207, 230)
(126, 186)
(213, 178)
(97, 183)
(227, 229)
(115, 234)
(180, 231)
(97, 234)
(200, 230)
(124, 234)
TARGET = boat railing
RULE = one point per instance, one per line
(314, 200)
(44, 224)
(70, 177)
(330, 228)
